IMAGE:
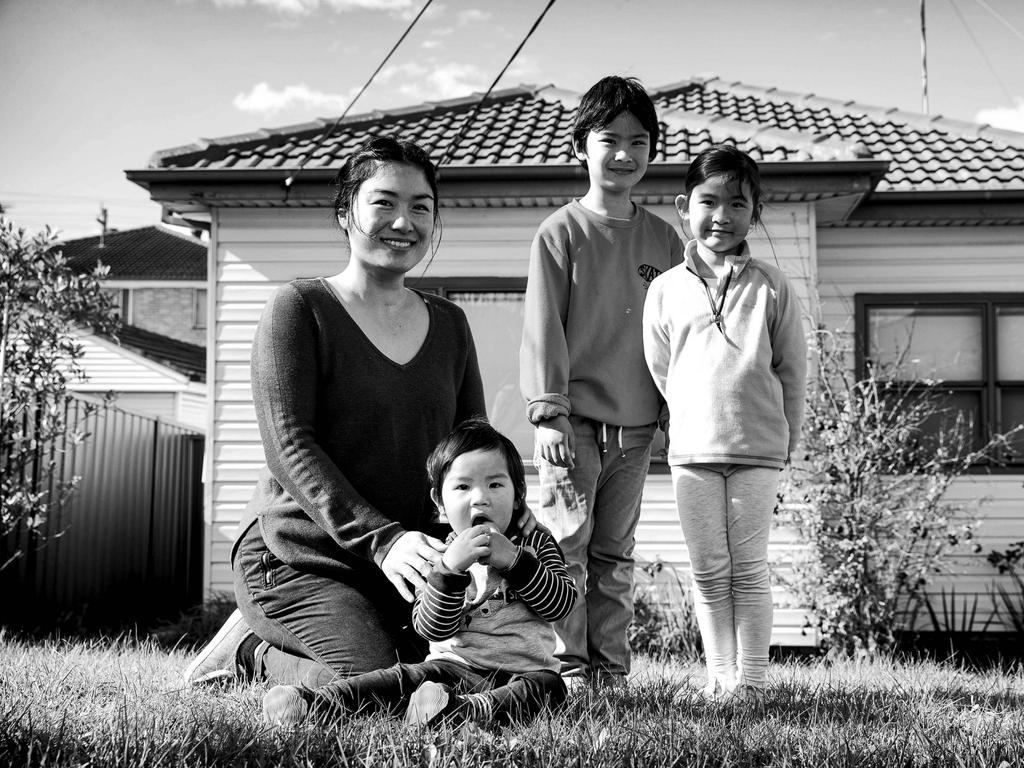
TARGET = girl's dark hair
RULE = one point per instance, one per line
(607, 99)
(476, 434)
(724, 161)
(363, 163)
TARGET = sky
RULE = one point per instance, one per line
(91, 88)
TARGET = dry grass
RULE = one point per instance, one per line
(116, 703)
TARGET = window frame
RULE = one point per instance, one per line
(989, 386)
(200, 299)
(444, 286)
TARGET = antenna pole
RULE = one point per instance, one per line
(102, 220)
(924, 63)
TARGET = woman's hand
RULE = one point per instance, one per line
(556, 441)
(527, 523)
(409, 561)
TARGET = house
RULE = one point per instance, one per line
(157, 276)
(156, 365)
(885, 220)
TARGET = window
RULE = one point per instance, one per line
(494, 308)
(199, 309)
(973, 343)
(122, 298)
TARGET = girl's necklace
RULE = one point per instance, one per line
(719, 305)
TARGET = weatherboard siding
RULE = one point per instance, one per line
(937, 260)
(257, 250)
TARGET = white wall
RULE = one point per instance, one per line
(256, 250)
(936, 260)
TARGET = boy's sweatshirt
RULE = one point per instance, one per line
(582, 349)
(735, 394)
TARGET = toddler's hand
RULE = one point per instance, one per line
(503, 552)
(556, 442)
(470, 546)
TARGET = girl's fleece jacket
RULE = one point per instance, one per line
(735, 394)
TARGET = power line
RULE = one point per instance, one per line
(45, 197)
(1006, 22)
(453, 145)
(305, 158)
(981, 50)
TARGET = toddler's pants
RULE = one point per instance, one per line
(504, 696)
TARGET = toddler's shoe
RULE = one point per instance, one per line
(284, 706)
(428, 703)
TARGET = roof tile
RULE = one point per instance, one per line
(147, 253)
(528, 124)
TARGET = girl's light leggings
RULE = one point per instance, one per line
(725, 511)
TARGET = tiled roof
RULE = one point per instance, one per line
(148, 253)
(530, 126)
(189, 359)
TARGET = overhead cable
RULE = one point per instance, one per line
(327, 134)
(454, 143)
(1006, 22)
(981, 50)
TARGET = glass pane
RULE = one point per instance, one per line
(496, 318)
(927, 342)
(959, 413)
(1011, 413)
(1010, 343)
(199, 309)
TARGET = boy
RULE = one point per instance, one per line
(589, 393)
(486, 609)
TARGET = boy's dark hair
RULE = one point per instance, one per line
(607, 99)
(727, 162)
(476, 434)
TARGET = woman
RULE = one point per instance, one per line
(355, 379)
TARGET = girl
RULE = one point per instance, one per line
(724, 342)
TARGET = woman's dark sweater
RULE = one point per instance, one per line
(346, 431)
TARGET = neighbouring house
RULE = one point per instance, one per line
(157, 278)
(887, 221)
(156, 365)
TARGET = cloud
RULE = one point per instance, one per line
(1008, 118)
(417, 82)
(472, 15)
(307, 7)
(264, 100)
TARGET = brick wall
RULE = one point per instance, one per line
(168, 311)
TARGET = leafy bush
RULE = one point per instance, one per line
(43, 302)
(868, 497)
(664, 624)
(1010, 603)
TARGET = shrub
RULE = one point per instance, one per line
(664, 624)
(867, 498)
(43, 302)
(1009, 603)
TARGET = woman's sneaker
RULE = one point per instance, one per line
(219, 658)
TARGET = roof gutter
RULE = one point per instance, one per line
(194, 190)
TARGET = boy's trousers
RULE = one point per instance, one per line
(592, 511)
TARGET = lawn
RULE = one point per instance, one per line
(116, 703)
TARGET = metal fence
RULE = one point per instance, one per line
(127, 546)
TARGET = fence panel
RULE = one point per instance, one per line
(127, 546)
